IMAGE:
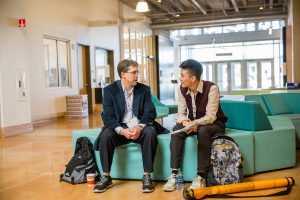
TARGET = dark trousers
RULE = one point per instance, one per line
(204, 135)
(109, 139)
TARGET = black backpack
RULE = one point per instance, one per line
(225, 162)
(82, 163)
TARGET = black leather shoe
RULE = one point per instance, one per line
(147, 184)
(104, 184)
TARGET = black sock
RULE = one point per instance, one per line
(174, 171)
(202, 174)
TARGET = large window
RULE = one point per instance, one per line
(239, 65)
(57, 62)
(249, 27)
(138, 46)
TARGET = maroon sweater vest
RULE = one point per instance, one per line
(201, 102)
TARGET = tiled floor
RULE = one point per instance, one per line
(31, 164)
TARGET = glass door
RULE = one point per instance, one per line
(251, 74)
(266, 74)
(236, 75)
(222, 76)
(207, 74)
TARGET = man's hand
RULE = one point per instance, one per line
(136, 132)
(184, 123)
(193, 126)
(126, 132)
(131, 133)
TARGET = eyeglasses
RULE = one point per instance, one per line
(134, 72)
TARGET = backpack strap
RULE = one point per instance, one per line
(79, 142)
(223, 136)
(82, 143)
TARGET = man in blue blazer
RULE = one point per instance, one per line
(128, 116)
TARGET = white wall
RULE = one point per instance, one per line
(13, 55)
(107, 40)
(22, 48)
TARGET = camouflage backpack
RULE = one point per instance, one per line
(226, 162)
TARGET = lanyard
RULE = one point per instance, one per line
(128, 97)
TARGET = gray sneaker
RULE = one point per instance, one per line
(104, 184)
(171, 184)
(198, 182)
(147, 184)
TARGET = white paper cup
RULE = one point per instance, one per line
(90, 179)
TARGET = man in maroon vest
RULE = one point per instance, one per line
(200, 113)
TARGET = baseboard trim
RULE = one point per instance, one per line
(26, 128)
(49, 119)
(16, 130)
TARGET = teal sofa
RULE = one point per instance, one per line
(281, 104)
(162, 109)
(248, 118)
(128, 157)
(248, 125)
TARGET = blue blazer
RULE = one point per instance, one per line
(114, 106)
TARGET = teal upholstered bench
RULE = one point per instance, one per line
(276, 148)
(173, 109)
(247, 124)
(245, 141)
(128, 157)
(245, 116)
(127, 161)
(283, 104)
(255, 130)
(293, 99)
(161, 109)
(258, 98)
(243, 119)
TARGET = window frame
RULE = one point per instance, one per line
(58, 65)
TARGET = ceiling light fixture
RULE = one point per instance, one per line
(177, 15)
(261, 8)
(142, 6)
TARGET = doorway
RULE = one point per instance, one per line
(84, 73)
(260, 73)
(104, 73)
(240, 74)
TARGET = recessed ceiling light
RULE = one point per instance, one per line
(177, 15)
(261, 8)
(158, 1)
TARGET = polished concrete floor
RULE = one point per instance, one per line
(31, 164)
